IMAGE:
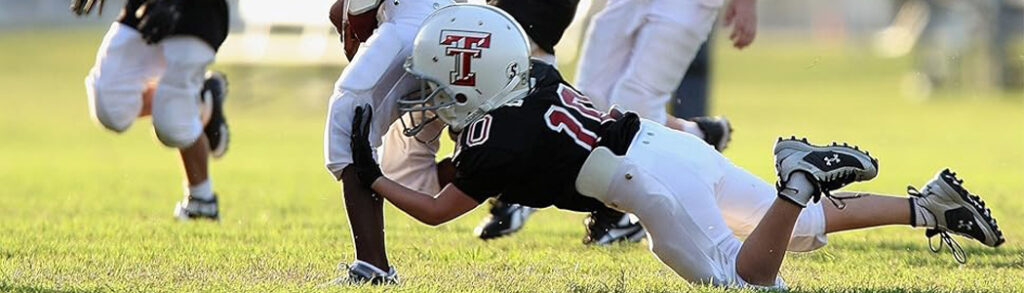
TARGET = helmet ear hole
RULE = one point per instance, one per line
(461, 98)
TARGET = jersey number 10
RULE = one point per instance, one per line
(560, 119)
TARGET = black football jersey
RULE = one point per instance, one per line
(530, 151)
(205, 19)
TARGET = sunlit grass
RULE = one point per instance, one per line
(82, 209)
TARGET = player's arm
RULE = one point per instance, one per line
(432, 210)
(449, 204)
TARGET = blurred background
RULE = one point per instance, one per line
(953, 45)
(923, 84)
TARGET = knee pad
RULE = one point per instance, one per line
(112, 106)
(176, 117)
(177, 134)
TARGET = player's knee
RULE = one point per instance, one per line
(110, 115)
(176, 134)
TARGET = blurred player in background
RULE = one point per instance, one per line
(635, 54)
(153, 62)
(528, 137)
(690, 100)
(947, 38)
(375, 75)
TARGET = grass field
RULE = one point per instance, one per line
(84, 210)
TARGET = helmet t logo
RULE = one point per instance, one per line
(465, 46)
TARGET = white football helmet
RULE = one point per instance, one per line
(470, 59)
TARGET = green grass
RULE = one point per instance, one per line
(83, 210)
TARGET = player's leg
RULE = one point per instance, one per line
(371, 75)
(667, 42)
(412, 161)
(942, 206)
(178, 120)
(119, 85)
(805, 172)
(607, 47)
(364, 209)
(691, 98)
(673, 194)
(744, 199)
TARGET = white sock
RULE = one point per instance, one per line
(920, 216)
(799, 188)
(201, 191)
(690, 127)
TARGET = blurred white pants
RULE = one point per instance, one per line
(694, 203)
(125, 65)
(636, 52)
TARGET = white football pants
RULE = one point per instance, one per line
(636, 52)
(695, 203)
(376, 76)
(125, 65)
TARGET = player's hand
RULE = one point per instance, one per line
(366, 167)
(83, 7)
(742, 16)
(158, 19)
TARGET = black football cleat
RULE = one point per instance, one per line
(717, 131)
(605, 229)
(831, 167)
(193, 208)
(505, 219)
(215, 91)
(956, 211)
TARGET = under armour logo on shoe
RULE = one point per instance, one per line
(961, 225)
(833, 160)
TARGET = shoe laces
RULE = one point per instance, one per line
(944, 238)
(836, 181)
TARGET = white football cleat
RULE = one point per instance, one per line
(192, 208)
(955, 211)
(831, 167)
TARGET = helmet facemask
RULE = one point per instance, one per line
(419, 109)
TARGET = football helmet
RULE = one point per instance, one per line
(470, 59)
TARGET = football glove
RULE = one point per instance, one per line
(83, 7)
(158, 19)
(366, 167)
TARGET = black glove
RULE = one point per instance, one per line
(83, 7)
(362, 154)
(158, 19)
